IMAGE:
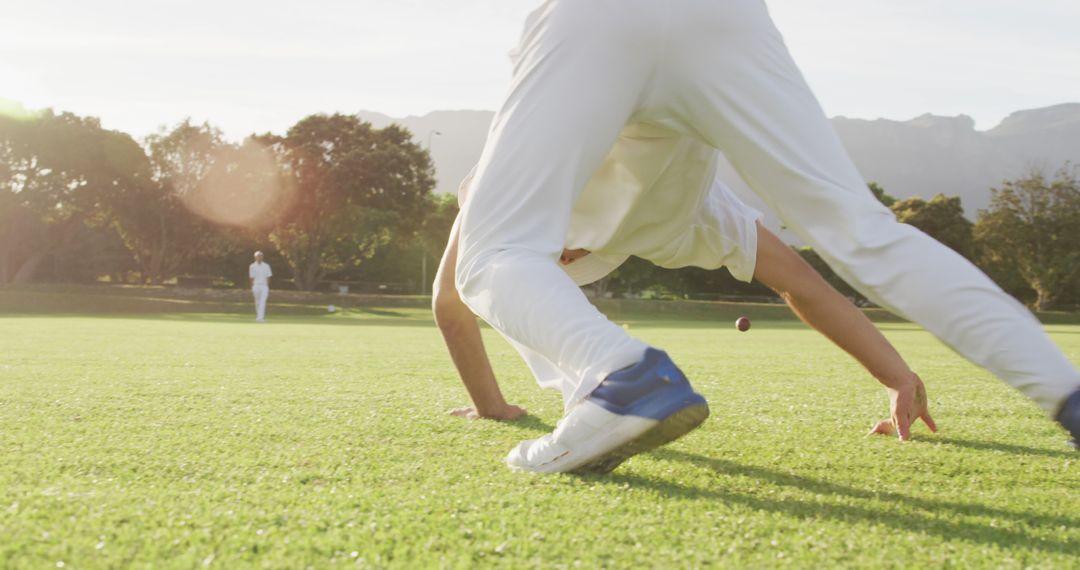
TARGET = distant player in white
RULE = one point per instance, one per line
(719, 73)
(627, 209)
(259, 274)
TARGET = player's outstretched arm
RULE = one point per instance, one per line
(461, 333)
(826, 310)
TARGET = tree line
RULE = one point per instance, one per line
(337, 200)
(1027, 240)
(80, 203)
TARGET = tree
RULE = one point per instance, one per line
(814, 259)
(55, 170)
(881, 195)
(698, 283)
(1031, 228)
(20, 228)
(942, 218)
(410, 264)
(356, 187)
(440, 213)
(153, 217)
(635, 276)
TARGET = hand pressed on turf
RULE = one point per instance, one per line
(908, 403)
(506, 413)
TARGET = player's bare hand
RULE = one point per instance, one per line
(908, 404)
(571, 255)
(884, 427)
(506, 413)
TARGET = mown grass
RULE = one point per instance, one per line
(158, 438)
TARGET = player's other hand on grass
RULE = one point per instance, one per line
(908, 404)
(506, 413)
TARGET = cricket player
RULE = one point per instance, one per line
(259, 275)
(719, 73)
(710, 229)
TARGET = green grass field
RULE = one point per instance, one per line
(161, 438)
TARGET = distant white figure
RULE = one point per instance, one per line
(259, 274)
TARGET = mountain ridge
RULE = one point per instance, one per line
(922, 156)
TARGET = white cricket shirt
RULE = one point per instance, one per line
(260, 274)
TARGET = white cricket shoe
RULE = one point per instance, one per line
(632, 411)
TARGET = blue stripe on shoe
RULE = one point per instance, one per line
(653, 388)
(1069, 416)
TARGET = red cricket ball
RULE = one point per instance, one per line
(742, 323)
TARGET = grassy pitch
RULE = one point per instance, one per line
(186, 440)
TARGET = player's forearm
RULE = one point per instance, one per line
(461, 333)
(824, 309)
(827, 311)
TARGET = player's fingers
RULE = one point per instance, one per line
(903, 426)
(461, 412)
(929, 421)
(884, 427)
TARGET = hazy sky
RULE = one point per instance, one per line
(256, 66)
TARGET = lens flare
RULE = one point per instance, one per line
(244, 188)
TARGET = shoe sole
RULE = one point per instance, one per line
(666, 431)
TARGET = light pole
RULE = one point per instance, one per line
(429, 135)
(423, 273)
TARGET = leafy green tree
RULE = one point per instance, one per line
(410, 264)
(440, 212)
(1031, 228)
(942, 218)
(698, 283)
(1003, 272)
(881, 195)
(356, 188)
(55, 172)
(814, 259)
(20, 228)
(228, 254)
(637, 276)
(153, 217)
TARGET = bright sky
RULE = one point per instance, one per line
(249, 66)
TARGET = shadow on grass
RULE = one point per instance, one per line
(532, 423)
(379, 312)
(931, 521)
(1065, 453)
(311, 317)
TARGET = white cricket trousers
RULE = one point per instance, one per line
(260, 292)
(717, 71)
